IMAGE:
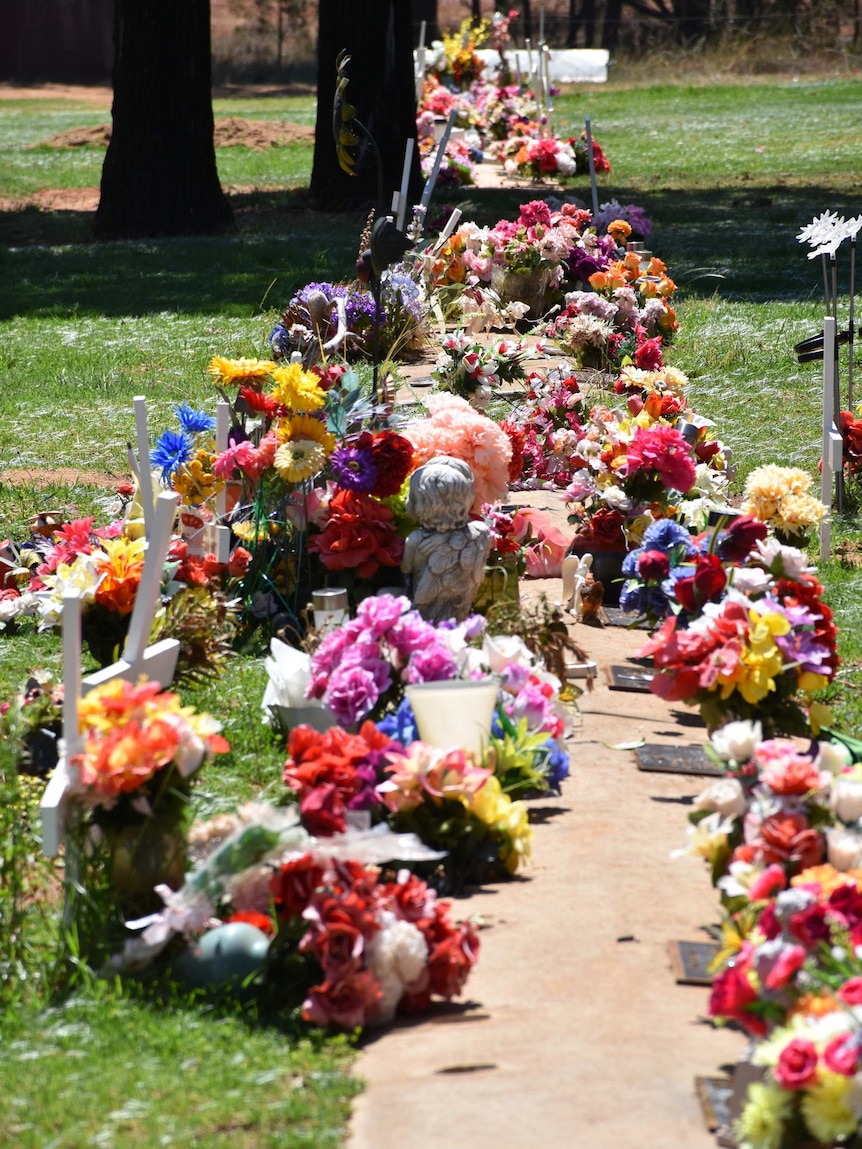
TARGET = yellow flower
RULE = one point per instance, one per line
(251, 532)
(195, 481)
(761, 1124)
(306, 427)
(240, 371)
(299, 459)
(826, 1109)
(760, 661)
(485, 801)
(297, 388)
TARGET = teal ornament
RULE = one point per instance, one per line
(224, 958)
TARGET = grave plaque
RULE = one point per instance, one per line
(630, 678)
(659, 758)
(691, 960)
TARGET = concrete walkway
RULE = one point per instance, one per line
(575, 1034)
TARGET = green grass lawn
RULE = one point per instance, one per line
(728, 173)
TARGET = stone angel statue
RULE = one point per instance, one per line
(445, 557)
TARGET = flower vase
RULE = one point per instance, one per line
(500, 584)
(104, 633)
(528, 287)
(142, 851)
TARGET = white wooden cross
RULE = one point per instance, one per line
(156, 663)
(833, 446)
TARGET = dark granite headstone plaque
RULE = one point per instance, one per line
(659, 758)
(629, 678)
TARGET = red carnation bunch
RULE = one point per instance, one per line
(360, 535)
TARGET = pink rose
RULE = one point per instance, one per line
(797, 1065)
(841, 1055)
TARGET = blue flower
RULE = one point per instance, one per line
(172, 449)
(401, 725)
(556, 765)
(194, 422)
(665, 535)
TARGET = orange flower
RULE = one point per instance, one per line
(121, 567)
(827, 878)
(125, 758)
(814, 1005)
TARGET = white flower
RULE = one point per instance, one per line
(792, 561)
(397, 956)
(616, 498)
(501, 649)
(753, 581)
(832, 756)
(725, 796)
(844, 848)
(737, 880)
(846, 798)
(736, 741)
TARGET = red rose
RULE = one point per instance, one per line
(293, 885)
(648, 356)
(788, 838)
(653, 566)
(360, 535)
(239, 560)
(338, 947)
(705, 585)
(605, 531)
(411, 898)
(797, 1065)
(739, 538)
(347, 1003)
(450, 962)
(732, 994)
(392, 455)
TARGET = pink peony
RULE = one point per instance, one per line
(455, 428)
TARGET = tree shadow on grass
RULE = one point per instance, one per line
(736, 242)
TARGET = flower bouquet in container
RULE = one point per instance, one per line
(131, 784)
(760, 642)
(471, 369)
(781, 498)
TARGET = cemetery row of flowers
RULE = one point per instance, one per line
(496, 113)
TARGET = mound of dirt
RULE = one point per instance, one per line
(231, 131)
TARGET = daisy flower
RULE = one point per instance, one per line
(297, 389)
(239, 370)
(299, 459)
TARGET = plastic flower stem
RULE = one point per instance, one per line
(506, 723)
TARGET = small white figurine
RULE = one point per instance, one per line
(446, 556)
(576, 569)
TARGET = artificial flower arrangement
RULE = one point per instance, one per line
(471, 369)
(537, 159)
(312, 483)
(454, 58)
(452, 427)
(140, 748)
(631, 214)
(851, 433)
(754, 638)
(624, 318)
(781, 498)
(525, 540)
(781, 833)
(310, 926)
(546, 428)
(312, 315)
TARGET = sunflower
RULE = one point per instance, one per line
(306, 427)
(299, 459)
(297, 389)
(239, 370)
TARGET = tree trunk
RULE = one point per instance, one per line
(159, 175)
(378, 35)
(426, 10)
(611, 24)
(693, 20)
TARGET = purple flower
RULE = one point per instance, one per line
(409, 634)
(351, 694)
(367, 655)
(433, 664)
(353, 468)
